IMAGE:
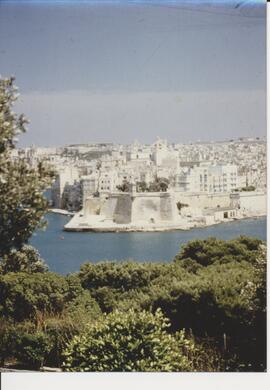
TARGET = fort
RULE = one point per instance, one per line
(139, 211)
(158, 211)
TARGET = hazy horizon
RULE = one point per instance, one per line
(116, 71)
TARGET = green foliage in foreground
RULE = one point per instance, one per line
(221, 296)
(22, 204)
(27, 259)
(31, 296)
(210, 291)
(32, 348)
(32, 305)
(213, 250)
(129, 342)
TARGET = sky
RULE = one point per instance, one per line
(116, 71)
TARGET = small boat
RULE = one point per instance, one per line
(61, 237)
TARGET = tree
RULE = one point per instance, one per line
(125, 187)
(37, 295)
(142, 186)
(32, 349)
(255, 294)
(25, 260)
(22, 204)
(181, 205)
(248, 188)
(160, 184)
(213, 250)
(129, 341)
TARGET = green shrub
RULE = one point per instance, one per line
(128, 341)
(32, 349)
(119, 275)
(212, 250)
(27, 259)
(60, 332)
(23, 295)
(5, 345)
(33, 296)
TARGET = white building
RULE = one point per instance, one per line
(89, 185)
(163, 156)
(207, 178)
(66, 176)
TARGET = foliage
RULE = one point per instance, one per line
(61, 329)
(119, 275)
(47, 304)
(128, 342)
(32, 349)
(213, 250)
(23, 342)
(248, 188)
(5, 330)
(214, 289)
(27, 259)
(206, 356)
(180, 205)
(160, 184)
(125, 187)
(255, 294)
(141, 186)
(24, 295)
(22, 204)
(33, 296)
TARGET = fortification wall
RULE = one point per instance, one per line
(92, 206)
(137, 207)
(168, 209)
(123, 209)
(202, 201)
(253, 202)
(109, 208)
(146, 208)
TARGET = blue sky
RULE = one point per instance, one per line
(122, 70)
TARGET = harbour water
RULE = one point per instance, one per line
(64, 252)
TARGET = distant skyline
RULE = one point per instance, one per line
(116, 71)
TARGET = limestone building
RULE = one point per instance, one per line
(207, 178)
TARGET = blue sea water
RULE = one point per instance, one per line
(64, 252)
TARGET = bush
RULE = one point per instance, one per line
(212, 250)
(5, 347)
(208, 301)
(33, 296)
(23, 296)
(27, 259)
(128, 341)
(60, 332)
(82, 310)
(32, 349)
(119, 275)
